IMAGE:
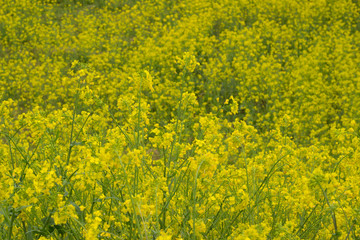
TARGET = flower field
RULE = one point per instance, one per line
(208, 119)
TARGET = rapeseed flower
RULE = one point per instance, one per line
(179, 120)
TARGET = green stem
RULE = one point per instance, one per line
(13, 216)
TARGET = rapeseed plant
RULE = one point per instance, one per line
(179, 120)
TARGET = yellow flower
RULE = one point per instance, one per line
(164, 235)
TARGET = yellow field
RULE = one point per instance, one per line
(180, 119)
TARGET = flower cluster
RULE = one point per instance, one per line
(179, 119)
